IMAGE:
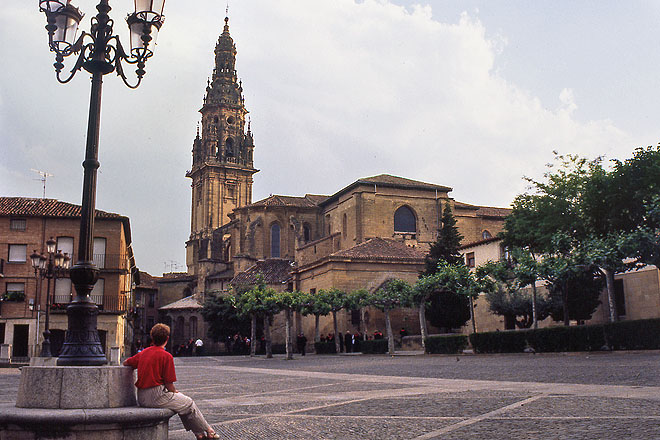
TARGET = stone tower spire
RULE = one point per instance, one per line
(222, 165)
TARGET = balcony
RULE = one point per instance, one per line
(108, 261)
(105, 303)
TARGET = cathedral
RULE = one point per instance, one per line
(374, 229)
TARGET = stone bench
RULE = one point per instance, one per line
(84, 424)
(80, 403)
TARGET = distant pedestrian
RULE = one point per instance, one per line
(301, 343)
(348, 341)
(199, 347)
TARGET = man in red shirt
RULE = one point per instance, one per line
(155, 384)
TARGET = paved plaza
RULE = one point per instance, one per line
(521, 396)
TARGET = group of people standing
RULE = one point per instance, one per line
(191, 348)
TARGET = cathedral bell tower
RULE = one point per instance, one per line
(222, 165)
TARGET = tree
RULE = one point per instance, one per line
(223, 317)
(259, 302)
(289, 302)
(315, 304)
(336, 300)
(390, 295)
(357, 300)
(445, 248)
(505, 295)
(453, 287)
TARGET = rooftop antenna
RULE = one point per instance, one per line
(44, 175)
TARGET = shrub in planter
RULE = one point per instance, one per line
(14, 296)
(642, 334)
(446, 344)
(325, 347)
(374, 346)
(499, 342)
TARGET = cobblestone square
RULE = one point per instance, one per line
(544, 396)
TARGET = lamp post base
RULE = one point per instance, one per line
(82, 345)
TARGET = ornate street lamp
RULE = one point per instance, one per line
(99, 53)
(51, 267)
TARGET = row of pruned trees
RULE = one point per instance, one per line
(258, 304)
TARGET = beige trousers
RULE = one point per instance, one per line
(159, 397)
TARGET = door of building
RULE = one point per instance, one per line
(20, 343)
(2, 332)
(102, 335)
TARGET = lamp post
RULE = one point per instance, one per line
(52, 266)
(99, 53)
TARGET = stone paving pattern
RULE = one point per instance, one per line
(544, 396)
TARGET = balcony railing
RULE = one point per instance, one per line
(105, 303)
(107, 261)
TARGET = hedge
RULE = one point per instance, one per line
(275, 348)
(625, 335)
(446, 344)
(374, 346)
(325, 347)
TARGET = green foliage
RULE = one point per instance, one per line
(14, 296)
(451, 287)
(325, 348)
(392, 294)
(446, 344)
(224, 318)
(335, 299)
(374, 346)
(572, 287)
(626, 335)
(314, 304)
(505, 297)
(259, 300)
(445, 248)
(499, 342)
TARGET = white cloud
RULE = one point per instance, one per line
(337, 90)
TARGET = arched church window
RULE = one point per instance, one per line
(230, 120)
(229, 147)
(486, 235)
(275, 241)
(404, 220)
(179, 328)
(193, 327)
(307, 233)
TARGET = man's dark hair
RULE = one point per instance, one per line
(159, 333)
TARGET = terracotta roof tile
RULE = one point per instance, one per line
(485, 211)
(147, 281)
(46, 208)
(277, 200)
(273, 271)
(381, 248)
(388, 179)
(189, 302)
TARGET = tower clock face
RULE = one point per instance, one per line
(230, 120)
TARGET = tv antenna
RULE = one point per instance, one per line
(44, 175)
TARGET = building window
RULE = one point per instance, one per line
(193, 327)
(229, 147)
(152, 300)
(65, 244)
(505, 254)
(99, 252)
(307, 233)
(619, 298)
(179, 329)
(150, 323)
(344, 226)
(486, 235)
(15, 291)
(404, 220)
(97, 292)
(17, 253)
(275, 241)
(312, 291)
(469, 259)
(62, 291)
(355, 317)
(17, 224)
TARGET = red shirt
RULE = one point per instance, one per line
(155, 367)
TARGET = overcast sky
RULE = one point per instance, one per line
(469, 94)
